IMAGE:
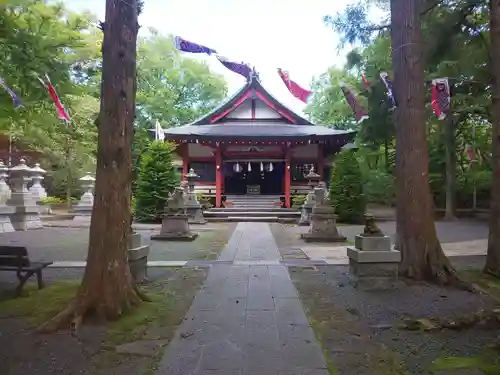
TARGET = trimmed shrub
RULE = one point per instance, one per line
(379, 187)
(157, 178)
(346, 188)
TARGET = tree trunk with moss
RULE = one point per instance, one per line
(493, 255)
(107, 289)
(422, 255)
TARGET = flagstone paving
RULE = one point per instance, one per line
(247, 319)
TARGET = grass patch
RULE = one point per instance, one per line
(488, 363)
(37, 306)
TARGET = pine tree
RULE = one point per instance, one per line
(346, 188)
(157, 179)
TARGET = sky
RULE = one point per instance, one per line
(268, 34)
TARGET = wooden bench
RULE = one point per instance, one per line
(15, 258)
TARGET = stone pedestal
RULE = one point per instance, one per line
(5, 214)
(372, 260)
(83, 210)
(323, 226)
(25, 213)
(193, 207)
(306, 210)
(175, 227)
(138, 257)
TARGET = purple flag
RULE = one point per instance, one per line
(239, 68)
(15, 99)
(388, 85)
(186, 46)
(359, 112)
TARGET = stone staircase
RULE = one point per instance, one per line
(260, 208)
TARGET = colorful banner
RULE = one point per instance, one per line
(359, 113)
(296, 90)
(61, 111)
(15, 99)
(187, 46)
(239, 68)
(441, 99)
(388, 85)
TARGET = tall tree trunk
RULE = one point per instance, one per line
(493, 255)
(451, 163)
(422, 255)
(107, 288)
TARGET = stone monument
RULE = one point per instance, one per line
(137, 257)
(37, 188)
(5, 211)
(4, 187)
(193, 207)
(323, 226)
(26, 214)
(308, 205)
(372, 257)
(174, 225)
(83, 209)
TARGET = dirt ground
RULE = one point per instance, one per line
(98, 349)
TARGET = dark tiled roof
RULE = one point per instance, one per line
(253, 129)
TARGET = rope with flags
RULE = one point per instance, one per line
(15, 99)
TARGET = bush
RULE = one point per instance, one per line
(157, 178)
(298, 200)
(346, 188)
(52, 201)
(205, 201)
(378, 187)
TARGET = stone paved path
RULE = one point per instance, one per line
(247, 319)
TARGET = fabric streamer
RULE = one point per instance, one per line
(61, 111)
(295, 89)
(441, 99)
(242, 68)
(365, 82)
(159, 133)
(359, 113)
(187, 46)
(15, 99)
(388, 85)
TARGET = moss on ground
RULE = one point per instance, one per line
(486, 283)
(488, 363)
(328, 322)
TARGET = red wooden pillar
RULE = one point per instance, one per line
(218, 177)
(287, 176)
(185, 160)
(321, 161)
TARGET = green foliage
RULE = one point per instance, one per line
(378, 187)
(298, 200)
(205, 201)
(157, 179)
(52, 201)
(346, 188)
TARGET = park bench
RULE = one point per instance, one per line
(15, 259)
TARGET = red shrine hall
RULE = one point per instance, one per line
(252, 144)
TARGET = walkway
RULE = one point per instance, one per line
(247, 319)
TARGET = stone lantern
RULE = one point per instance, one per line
(26, 215)
(4, 187)
(83, 210)
(313, 181)
(193, 207)
(37, 189)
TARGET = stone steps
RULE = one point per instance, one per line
(260, 219)
(260, 213)
(252, 209)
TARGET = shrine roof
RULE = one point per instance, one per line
(252, 89)
(256, 130)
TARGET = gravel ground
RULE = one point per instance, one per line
(22, 352)
(71, 244)
(358, 329)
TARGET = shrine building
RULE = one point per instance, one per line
(253, 145)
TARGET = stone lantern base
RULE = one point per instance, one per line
(138, 258)
(175, 227)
